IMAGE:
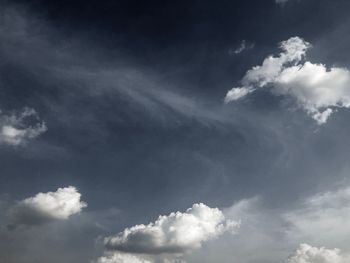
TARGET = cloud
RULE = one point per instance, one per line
(309, 254)
(46, 207)
(271, 234)
(74, 68)
(327, 213)
(318, 90)
(244, 45)
(121, 258)
(19, 128)
(174, 234)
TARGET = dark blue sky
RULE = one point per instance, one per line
(132, 94)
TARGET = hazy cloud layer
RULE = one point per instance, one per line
(66, 64)
(46, 207)
(327, 213)
(317, 89)
(20, 127)
(269, 235)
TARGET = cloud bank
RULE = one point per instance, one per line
(316, 89)
(19, 128)
(174, 234)
(46, 207)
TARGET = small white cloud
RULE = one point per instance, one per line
(237, 93)
(116, 257)
(175, 233)
(315, 88)
(309, 254)
(244, 45)
(45, 207)
(19, 128)
(172, 235)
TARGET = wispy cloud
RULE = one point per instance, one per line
(73, 68)
(243, 46)
(19, 128)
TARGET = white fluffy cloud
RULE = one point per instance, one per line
(309, 254)
(316, 89)
(45, 207)
(174, 234)
(19, 128)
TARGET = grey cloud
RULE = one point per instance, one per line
(59, 241)
(19, 128)
(327, 213)
(272, 234)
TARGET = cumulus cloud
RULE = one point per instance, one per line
(318, 90)
(174, 234)
(321, 219)
(310, 254)
(46, 207)
(19, 128)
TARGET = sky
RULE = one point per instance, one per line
(174, 131)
